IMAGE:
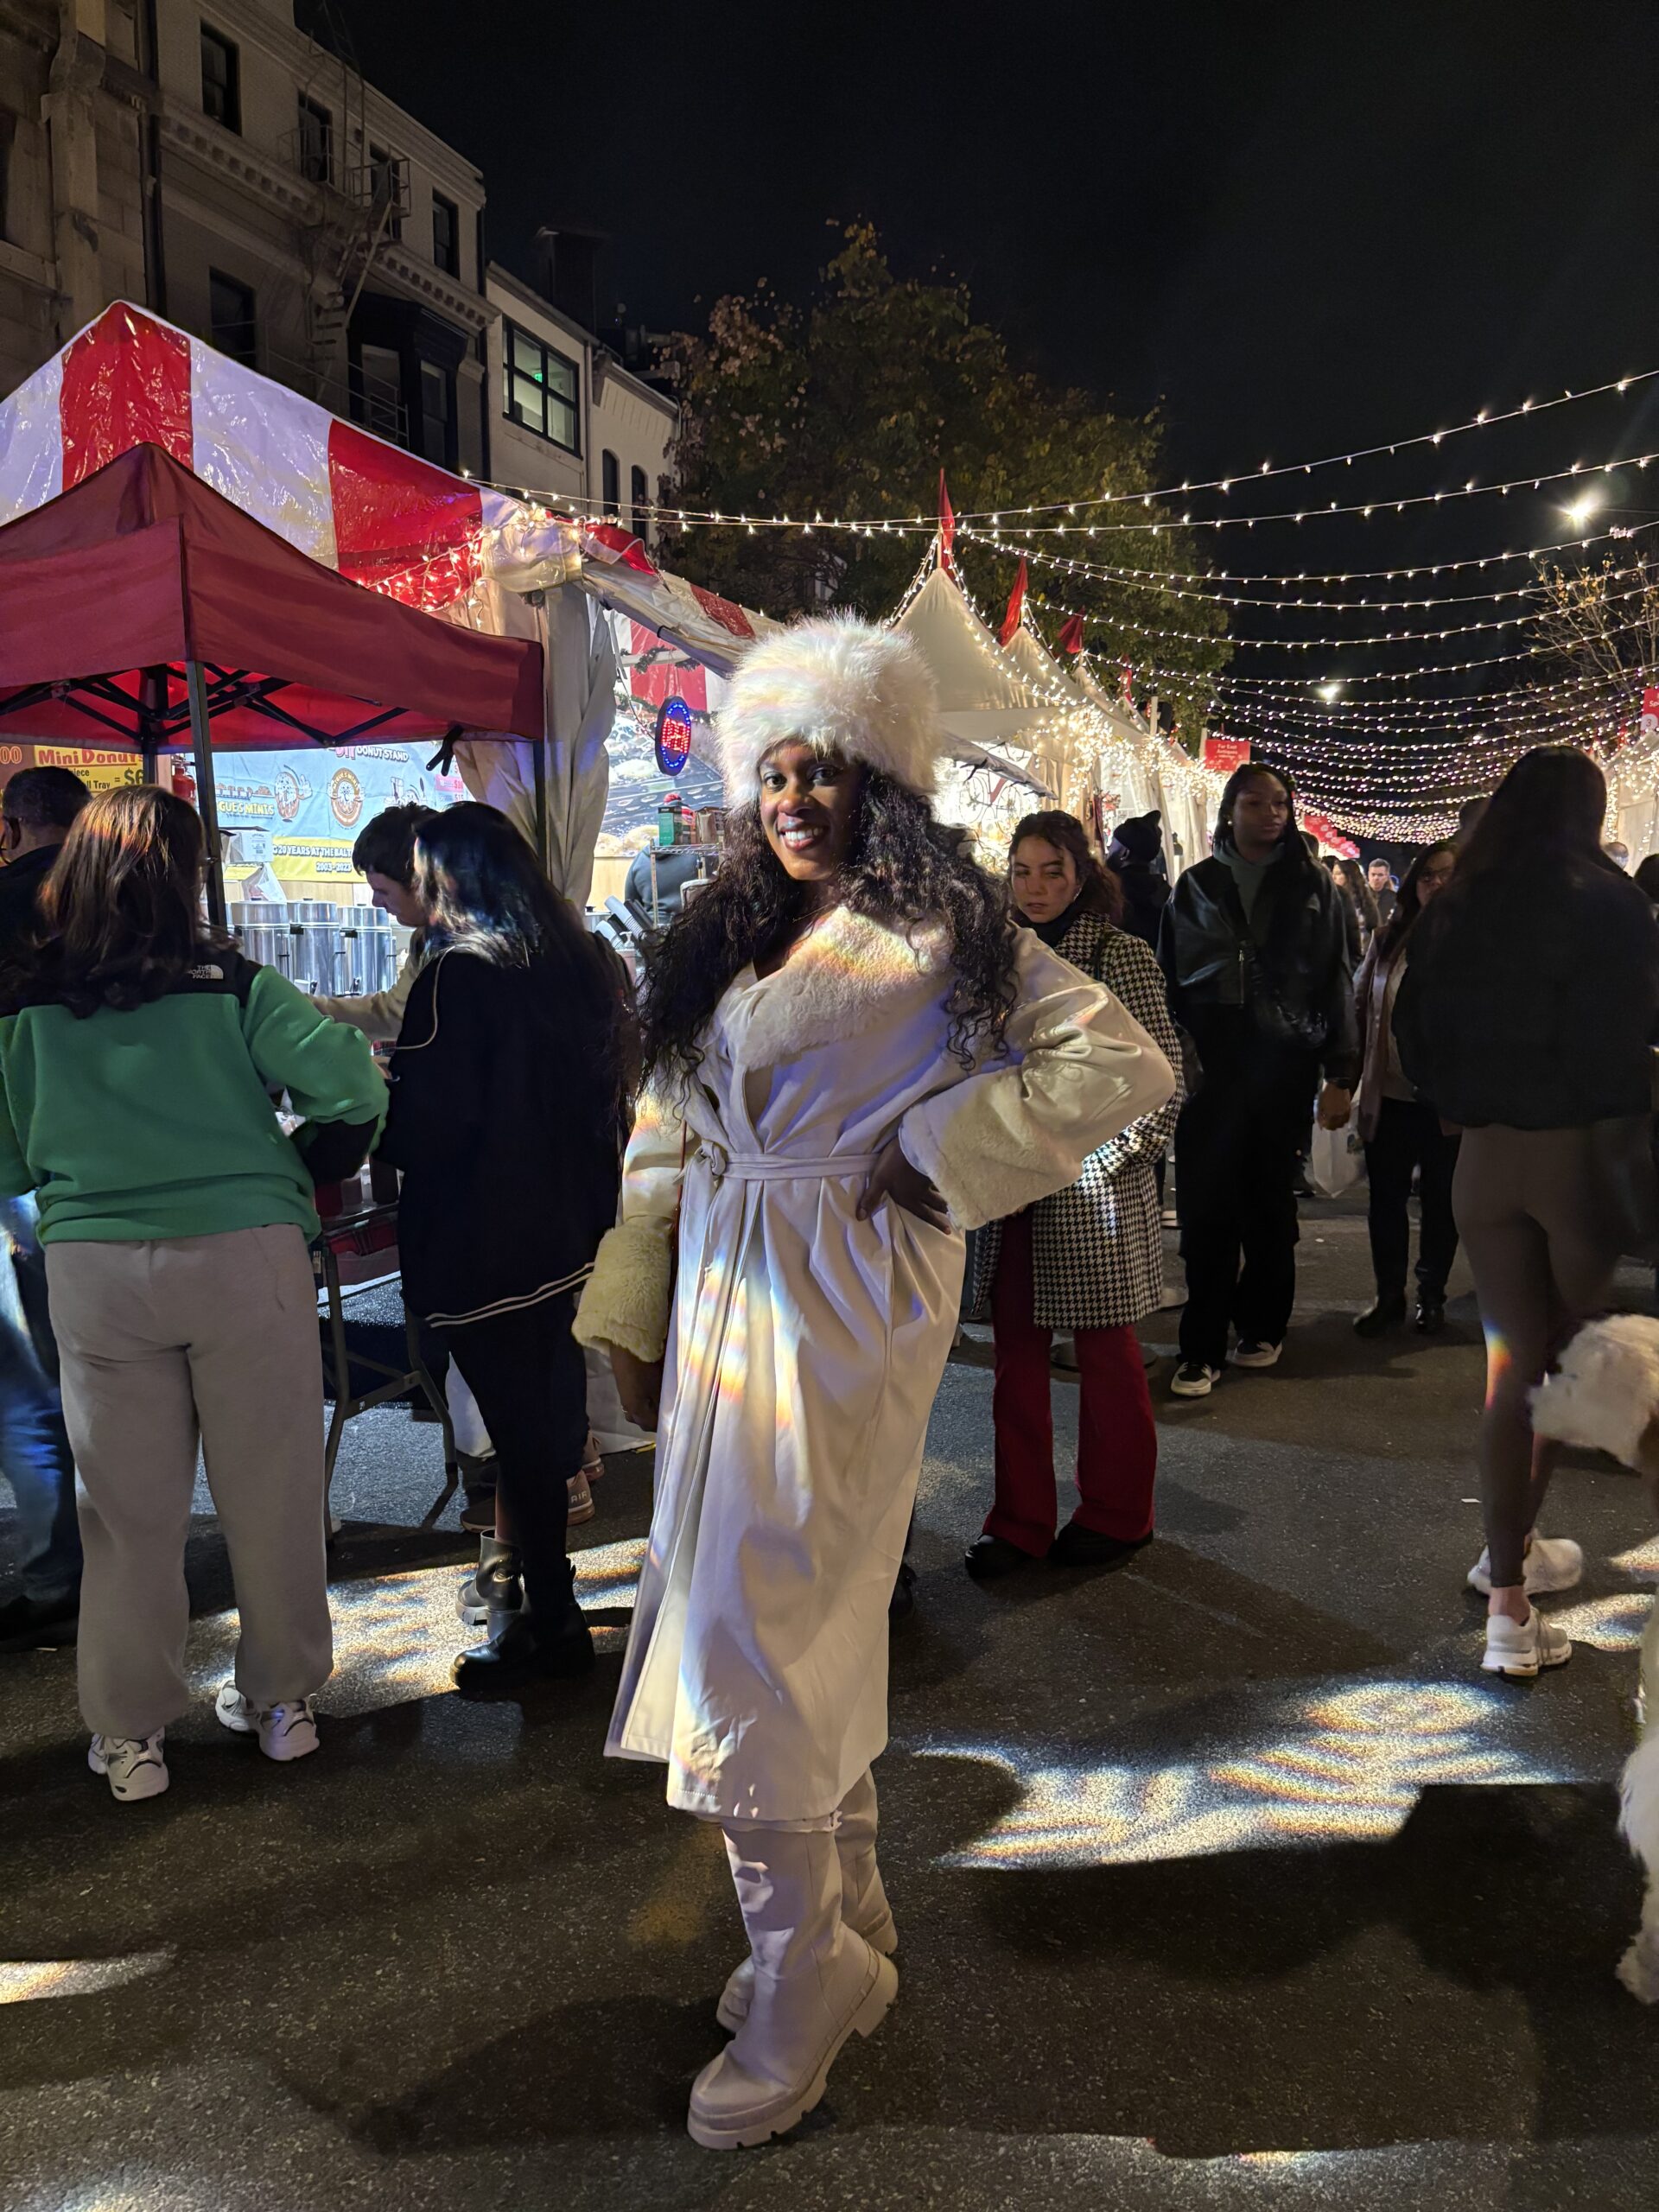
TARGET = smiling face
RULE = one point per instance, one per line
(808, 803)
(1043, 879)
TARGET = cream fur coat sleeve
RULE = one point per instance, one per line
(627, 1298)
(1082, 1068)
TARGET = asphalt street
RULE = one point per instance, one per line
(1221, 1881)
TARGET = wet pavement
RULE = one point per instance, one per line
(1224, 1880)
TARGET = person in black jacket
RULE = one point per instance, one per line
(1527, 1013)
(36, 814)
(509, 1091)
(1254, 947)
(1135, 856)
(39, 807)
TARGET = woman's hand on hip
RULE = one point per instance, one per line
(893, 1177)
(640, 1386)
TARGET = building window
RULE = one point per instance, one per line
(540, 388)
(610, 471)
(378, 394)
(445, 234)
(639, 501)
(317, 142)
(386, 172)
(222, 79)
(437, 415)
(232, 324)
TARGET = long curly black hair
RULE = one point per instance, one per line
(902, 867)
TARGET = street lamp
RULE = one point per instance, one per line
(1330, 691)
(1582, 508)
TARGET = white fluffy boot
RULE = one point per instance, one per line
(864, 1905)
(816, 1983)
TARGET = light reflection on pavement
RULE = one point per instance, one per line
(1346, 1766)
(396, 1635)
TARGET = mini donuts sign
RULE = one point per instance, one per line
(673, 735)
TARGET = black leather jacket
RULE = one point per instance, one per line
(1293, 989)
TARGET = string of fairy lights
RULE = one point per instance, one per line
(1348, 738)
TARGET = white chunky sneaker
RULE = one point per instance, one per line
(1520, 1649)
(1551, 1563)
(285, 1732)
(581, 1507)
(1253, 1352)
(133, 1765)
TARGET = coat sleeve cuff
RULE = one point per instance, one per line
(625, 1301)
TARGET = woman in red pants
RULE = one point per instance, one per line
(1090, 1259)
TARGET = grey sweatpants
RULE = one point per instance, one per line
(1534, 1214)
(161, 1345)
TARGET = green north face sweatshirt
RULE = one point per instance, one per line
(158, 1123)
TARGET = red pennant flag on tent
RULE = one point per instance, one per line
(1071, 638)
(947, 528)
(1016, 608)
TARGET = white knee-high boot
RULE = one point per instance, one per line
(816, 1983)
(864, 1905)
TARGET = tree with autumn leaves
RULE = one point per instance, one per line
(850, 403)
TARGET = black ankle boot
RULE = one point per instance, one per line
(1387, 1313)
(521, 1650)
(1431, 1313)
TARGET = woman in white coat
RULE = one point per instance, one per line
(852, 1057)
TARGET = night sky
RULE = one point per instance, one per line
(1296, 227)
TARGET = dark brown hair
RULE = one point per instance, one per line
(1099, 891)
(1410, 902)
(120, 917)
(902, 869)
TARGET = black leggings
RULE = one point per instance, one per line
(525, 1370)
(1409, 1135)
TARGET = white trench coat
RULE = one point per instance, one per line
(805, 1347)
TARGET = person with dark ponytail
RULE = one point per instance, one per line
(511, 1089)
(1090, 1259)
(851, 1056)
(1254, 947)
(1529, 1013)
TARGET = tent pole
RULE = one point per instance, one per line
(201, 738)
(543, 852)
(152, 697)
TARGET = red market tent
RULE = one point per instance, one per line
(142, 608)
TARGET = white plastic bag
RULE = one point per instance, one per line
(1335, 1160)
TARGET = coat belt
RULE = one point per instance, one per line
(775, 1167)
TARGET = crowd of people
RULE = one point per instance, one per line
(746, 1186)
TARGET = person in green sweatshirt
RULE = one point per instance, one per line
(139, 1058)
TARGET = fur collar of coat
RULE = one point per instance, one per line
(847, 976)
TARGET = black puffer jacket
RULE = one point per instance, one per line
(1533, 1002)
(1289, 986)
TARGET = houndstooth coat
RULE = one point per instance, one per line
(1098, 1248)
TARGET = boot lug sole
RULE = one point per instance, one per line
(872, 2009)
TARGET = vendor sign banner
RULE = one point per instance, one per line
(294, 816)
(1223, 754)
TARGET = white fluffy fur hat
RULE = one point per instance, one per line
(842, 685)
